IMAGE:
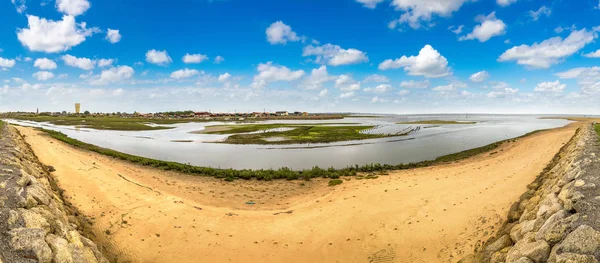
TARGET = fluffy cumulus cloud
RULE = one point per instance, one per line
(318, 77)
(280, 33)
(224, 77)
(554, 87)
(543, 11)
(113, 75)
(335, 55)
(347, 94)
(53, 36)
(480, 76)
(44, 64)
(550, 51)
(43, 75)
(194, 58)
(456, 30)
(7, 63)
(72, 7)
(403, 92)
(156, 57)
(346, 83)
(268, 72)
(219, 59)
(489, 27)
(595, 54)
(500, 90)
(376, 78)
(417, 12)
(588, 79)
(429, 63)
(105, 62)
(369, 3)
(505, 2)
(118, 92)
(184, 73)
(113, 35)
(383, 88)
(411, 84)
(82, 63)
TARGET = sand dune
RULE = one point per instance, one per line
(435, 214)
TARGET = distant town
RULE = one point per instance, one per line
(189, 114)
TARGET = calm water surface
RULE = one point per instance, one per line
(429, 142)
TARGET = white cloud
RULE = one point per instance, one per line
(505, 2)
(376, 78)
(62, 76)
(497, 85)
(224, 77)
(507, 41)
(480, 76)
(550, 51)
(369, 3)
(323, 93)
(500, 90)
(194, 58)
(595, 54)
(72, 7)
(403, 92)
(411, 84)
(43, 75)
(428, 63)
(184, 73)
(383, 88)
(450, 87)
(346, 83)
(118, 92)
(52, 36)
(490, 26)
(378, 100)
(554, 87)
(280, 33)
(7, 63)
(82, 63)
(317, 78)
(160, 58)
(347, 95)
(114, 74)
(544, 10)
(587, 78)
(113, 35)
(105, 62)
(20, 5)
(267, 72)
(86, 75)
(219, 59)
(418, 11)
(44, 64)
(456, 30)
(335, 55)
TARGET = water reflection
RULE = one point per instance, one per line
(431, 141)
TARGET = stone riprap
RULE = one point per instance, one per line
(558, 219)
(35, 223)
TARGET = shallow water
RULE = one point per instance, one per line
(429, 142)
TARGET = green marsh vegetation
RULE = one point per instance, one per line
(596, 128)
(104, 122)
(368, 171)
(439, 122)
(296, 134)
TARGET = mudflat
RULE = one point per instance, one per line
(433, 214)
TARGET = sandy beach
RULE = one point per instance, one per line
(434, 214)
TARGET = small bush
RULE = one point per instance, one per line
(335, 182)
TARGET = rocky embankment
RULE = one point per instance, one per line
(558, 218)
(35, 223)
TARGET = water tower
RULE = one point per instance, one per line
(77, 108)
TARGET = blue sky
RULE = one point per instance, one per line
(381, 56)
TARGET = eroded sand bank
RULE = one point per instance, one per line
(435, 214)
